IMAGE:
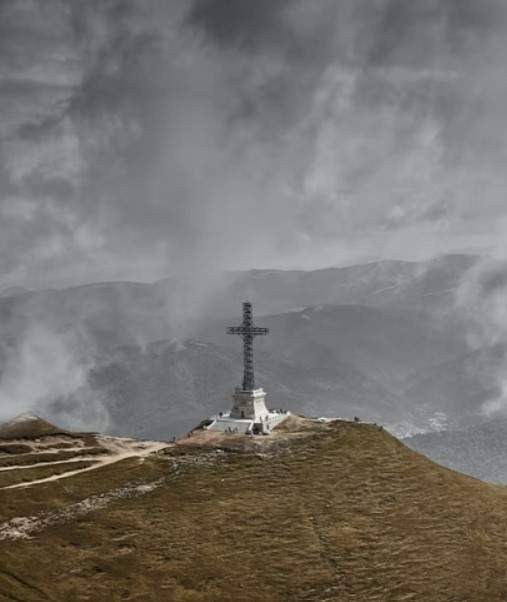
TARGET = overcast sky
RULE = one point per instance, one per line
(141, 138)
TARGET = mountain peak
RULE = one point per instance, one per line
(25, 417)
(28, 426)
(331, 502)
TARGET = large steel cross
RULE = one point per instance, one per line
(248, 331)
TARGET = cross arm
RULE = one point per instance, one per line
(254, 330)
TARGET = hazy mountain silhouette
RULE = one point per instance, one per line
(377, 340)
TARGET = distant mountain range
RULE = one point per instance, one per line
(115, 313)
(426, 284)
(480, 451)
(382, 341)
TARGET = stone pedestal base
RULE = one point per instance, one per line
(249, 404)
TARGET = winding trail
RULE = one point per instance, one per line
(118, 449)
(54, 463)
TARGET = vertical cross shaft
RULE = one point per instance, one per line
(248, 337)
(247, 331)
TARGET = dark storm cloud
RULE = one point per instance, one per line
(240, 23)
(142, 138)
(414, 28)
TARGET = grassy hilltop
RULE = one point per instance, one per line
(334, 511)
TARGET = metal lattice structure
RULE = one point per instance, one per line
(248, 331)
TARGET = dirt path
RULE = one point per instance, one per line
(118, 448)
(53, 463)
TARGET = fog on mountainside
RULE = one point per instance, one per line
(385, 342)
(329, 173)
(201, 138)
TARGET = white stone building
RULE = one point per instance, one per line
(249, 415)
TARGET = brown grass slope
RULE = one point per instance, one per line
(29, 428)
(340, 512)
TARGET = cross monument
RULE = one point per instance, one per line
(249, 402)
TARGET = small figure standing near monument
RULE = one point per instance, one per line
(249, 413)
